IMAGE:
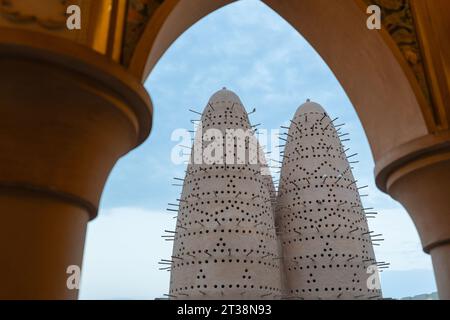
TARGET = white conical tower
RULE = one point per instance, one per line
(225, 241)
(326, 244)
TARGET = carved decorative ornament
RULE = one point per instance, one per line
(15, 12)
(398, 20)
(139, 13)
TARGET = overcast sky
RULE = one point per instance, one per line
(251, 50)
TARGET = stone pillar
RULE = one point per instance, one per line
(67, 114)
(423, 187)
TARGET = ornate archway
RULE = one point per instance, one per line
(396, 77)
(389, 75)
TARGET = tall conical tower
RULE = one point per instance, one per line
(326, 243)
(225, 244)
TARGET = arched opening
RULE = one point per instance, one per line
(200, 93)
(361, 59)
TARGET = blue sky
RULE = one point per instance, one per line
(251, 50)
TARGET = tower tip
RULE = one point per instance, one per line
(309, 106)
(225, 95)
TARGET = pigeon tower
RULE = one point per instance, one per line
(225, 243)
(326, 244)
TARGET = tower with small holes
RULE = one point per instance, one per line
(225, 243)
(326, 243)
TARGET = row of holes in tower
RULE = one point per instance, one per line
(228, 123)
(226, 115)
(295, 138)
(243, 252)
(236, 156)
(230, 142)
(250, 232)
(268, 262)
(290, 243)
(311, 181)
(212, 223)
(254, 288)
(312, 122)
(225, 109)
(290, 186)
(295, 211)
(211, 210)
(359, 276)
(355, 227)
(327, 220)
(233, 183)
(341, 290)
(292, 154)
(346, 189)
(301, 173)
(321, 241)
(289, 223)
(320, 204)
(228, 171)
(327, 261)
(266, 248)
(299, 239)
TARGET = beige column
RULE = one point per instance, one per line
(423, 187)
(419, 171)
(67, 115)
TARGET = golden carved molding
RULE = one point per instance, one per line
(398, 20)
(101, 28)
(15, 12)
(138, 14)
